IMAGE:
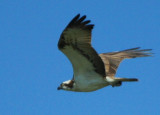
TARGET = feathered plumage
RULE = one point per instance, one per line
(92, 71)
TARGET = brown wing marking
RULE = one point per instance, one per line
(113, 59)
(75, 43)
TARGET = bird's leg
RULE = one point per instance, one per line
(113, 82)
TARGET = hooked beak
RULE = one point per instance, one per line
(59, 88)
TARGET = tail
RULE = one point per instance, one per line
(126, 79)
(118, 81)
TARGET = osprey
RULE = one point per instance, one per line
(92, 71)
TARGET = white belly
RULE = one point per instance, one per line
(90, 82)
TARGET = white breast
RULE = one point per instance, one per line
(90, 81)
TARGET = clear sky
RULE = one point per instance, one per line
(32, 67)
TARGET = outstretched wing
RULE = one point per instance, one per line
(113, 59)
(75, 43)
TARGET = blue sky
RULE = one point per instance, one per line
(32, 67)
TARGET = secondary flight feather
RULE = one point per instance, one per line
(92, 71)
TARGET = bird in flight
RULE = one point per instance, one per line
(92, 71)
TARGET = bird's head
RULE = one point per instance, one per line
(67, 85)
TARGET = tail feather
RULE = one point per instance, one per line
(116, 81)
(120, 80)
(126, 79)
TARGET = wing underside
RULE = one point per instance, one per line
(75, 43)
